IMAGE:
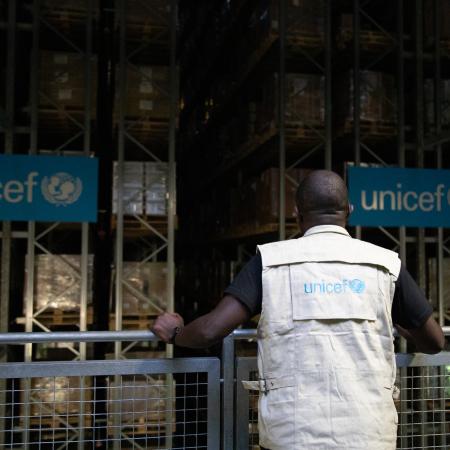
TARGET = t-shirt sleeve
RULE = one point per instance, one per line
(247, 285)
(410, 307)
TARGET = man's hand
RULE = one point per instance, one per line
(166, 324)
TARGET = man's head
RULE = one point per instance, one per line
(322, 199)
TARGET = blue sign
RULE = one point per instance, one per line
(399, 197)
(48, 188)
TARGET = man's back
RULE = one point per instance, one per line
(325, 343)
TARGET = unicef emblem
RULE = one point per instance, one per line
(357, 286)
(61, 189)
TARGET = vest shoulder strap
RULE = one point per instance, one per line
(328, 247)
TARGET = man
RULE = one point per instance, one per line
(325, 337)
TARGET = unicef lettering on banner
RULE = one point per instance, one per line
(399, 197)
(48, 188)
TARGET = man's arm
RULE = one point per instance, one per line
(206, 330)
(412, 315)
(428, 338)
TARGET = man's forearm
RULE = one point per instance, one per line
(197, 334)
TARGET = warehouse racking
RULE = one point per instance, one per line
(401, 46)
(69, 109)
(370, 59)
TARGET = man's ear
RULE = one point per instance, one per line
(349, 209)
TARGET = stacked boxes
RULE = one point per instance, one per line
(57, 283)
(144, 188)
(257, 203)
(147, 92)
(62, 81)
(377, 97)
(155, 189)
(148, 20)
(268, 194)
(59, 396)
(430, 103)
(304, 17)
(143, 405)
(305, 101)
(433, 280)
(132, 188)
(148, 279)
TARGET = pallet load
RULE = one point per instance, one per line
(155, 189)
(62, 82)
(256, 204)
(144, 293)
(146, 406)
(305, 22)
(148, 21)
(144, 188)
(371, 40)
(55, 402)
(57, 288)
(305, 106)
(378, 111)
(132, 188)
(68, 16)
(433, 284)
(444, 100)
(147, 96)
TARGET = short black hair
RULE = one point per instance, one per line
(322, 192)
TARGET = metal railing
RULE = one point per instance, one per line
(175, 403)
(113, 404)
(423, 406)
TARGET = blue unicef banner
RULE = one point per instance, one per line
(396, 197)
(48, 188)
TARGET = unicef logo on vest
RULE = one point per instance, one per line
(323, 287)
(357, 286)
(61, 189)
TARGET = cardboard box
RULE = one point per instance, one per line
(62, 81)
(156, 189)
(132, 187)
(52, 396)
(268, 194)
(141, 401)
(305, 101)
(430, 103)
(149, 280)
(57, 284)
(147, 92)
(377, 97)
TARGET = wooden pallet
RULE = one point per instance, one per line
(143, 427)
(373, 129)
(297, 133)
(297, 41)
(134, 228)
(370, 41)
(133, 322)
(58, 421)
(55, 317)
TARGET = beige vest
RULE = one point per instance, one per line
(325, 345)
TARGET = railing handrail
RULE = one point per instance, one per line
(76, 336)
(18, 338)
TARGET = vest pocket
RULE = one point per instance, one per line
(277, 414)
(334, 291)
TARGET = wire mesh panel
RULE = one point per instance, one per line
(423, 405)
(139, 404)
(424, 402)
